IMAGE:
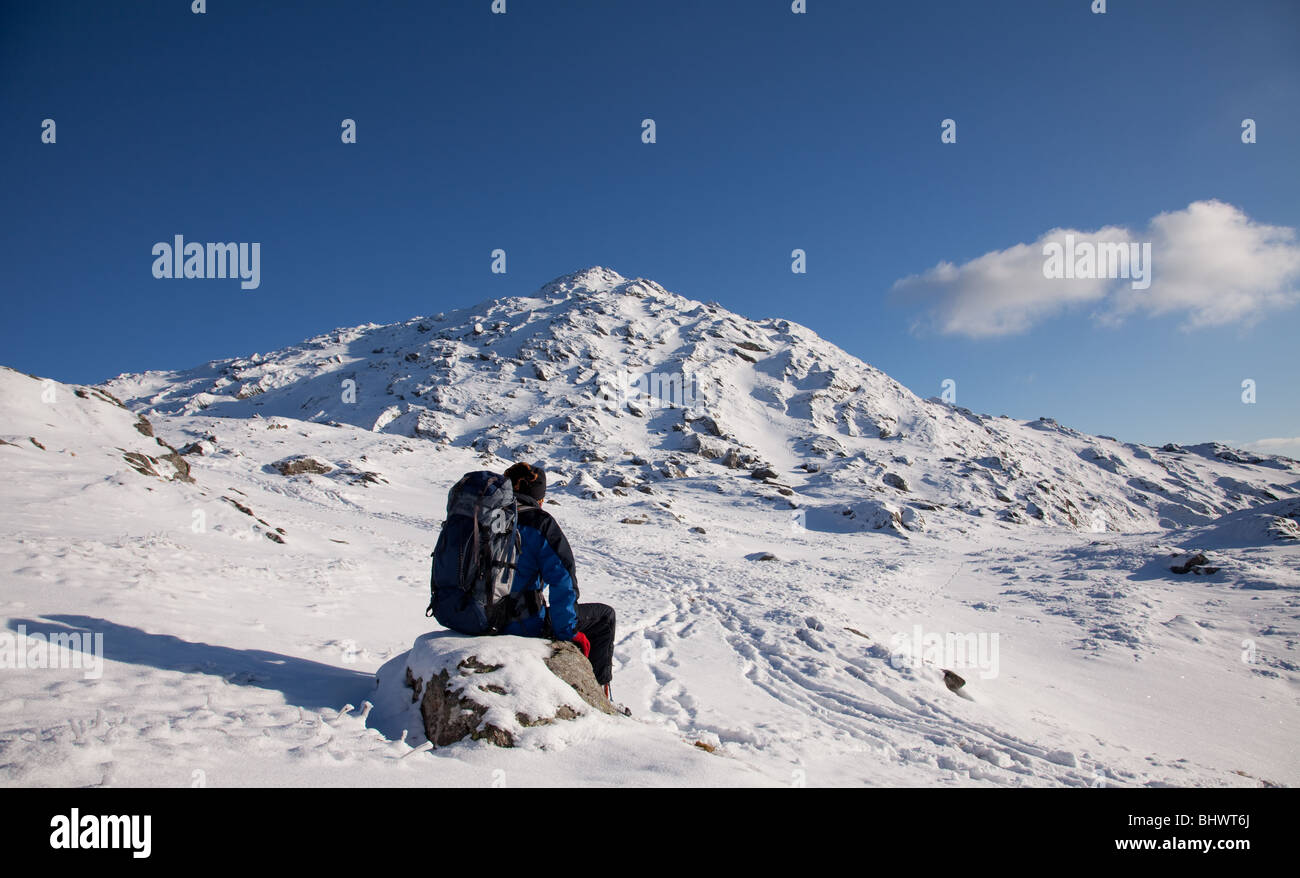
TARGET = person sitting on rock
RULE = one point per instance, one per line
(546, 561)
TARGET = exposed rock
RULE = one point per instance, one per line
(1233, 456)
(148, 465)
(704, 446)
(180, 464)
(569, 664)
(876, 515)
(895, 481)
(1283, 527)
(301, 463)
(487, 445)
(275, 535)
(702, 422)
(201, 447)
(911, 519)
(429, 426)
(825, 446)
(1196, 563)
(141, 463)
(585, 485)
(1098, 456)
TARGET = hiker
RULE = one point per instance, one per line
(546, 561)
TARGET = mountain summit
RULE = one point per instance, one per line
(611, 381)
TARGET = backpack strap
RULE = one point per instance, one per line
(433, 588)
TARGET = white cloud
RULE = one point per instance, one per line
(1210, 264)
(1286, 446)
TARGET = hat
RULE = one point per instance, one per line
(528, 479)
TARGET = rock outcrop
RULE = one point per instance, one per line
(301, 463)
(451, 687)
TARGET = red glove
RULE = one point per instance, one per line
(584, 643)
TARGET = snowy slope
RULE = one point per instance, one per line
(769, 617)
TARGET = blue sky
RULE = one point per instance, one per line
(775, 131)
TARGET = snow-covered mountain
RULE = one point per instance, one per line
(786, 533)
(616, 382)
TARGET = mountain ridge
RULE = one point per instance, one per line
(573, 376)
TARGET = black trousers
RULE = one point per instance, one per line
(597, 622)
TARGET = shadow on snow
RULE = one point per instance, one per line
(304, 683)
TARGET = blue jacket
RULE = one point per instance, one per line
(545, 561)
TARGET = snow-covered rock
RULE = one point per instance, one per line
(450, 687)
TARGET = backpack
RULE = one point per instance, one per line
(474, 559)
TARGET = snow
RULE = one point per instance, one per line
(232, 658)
